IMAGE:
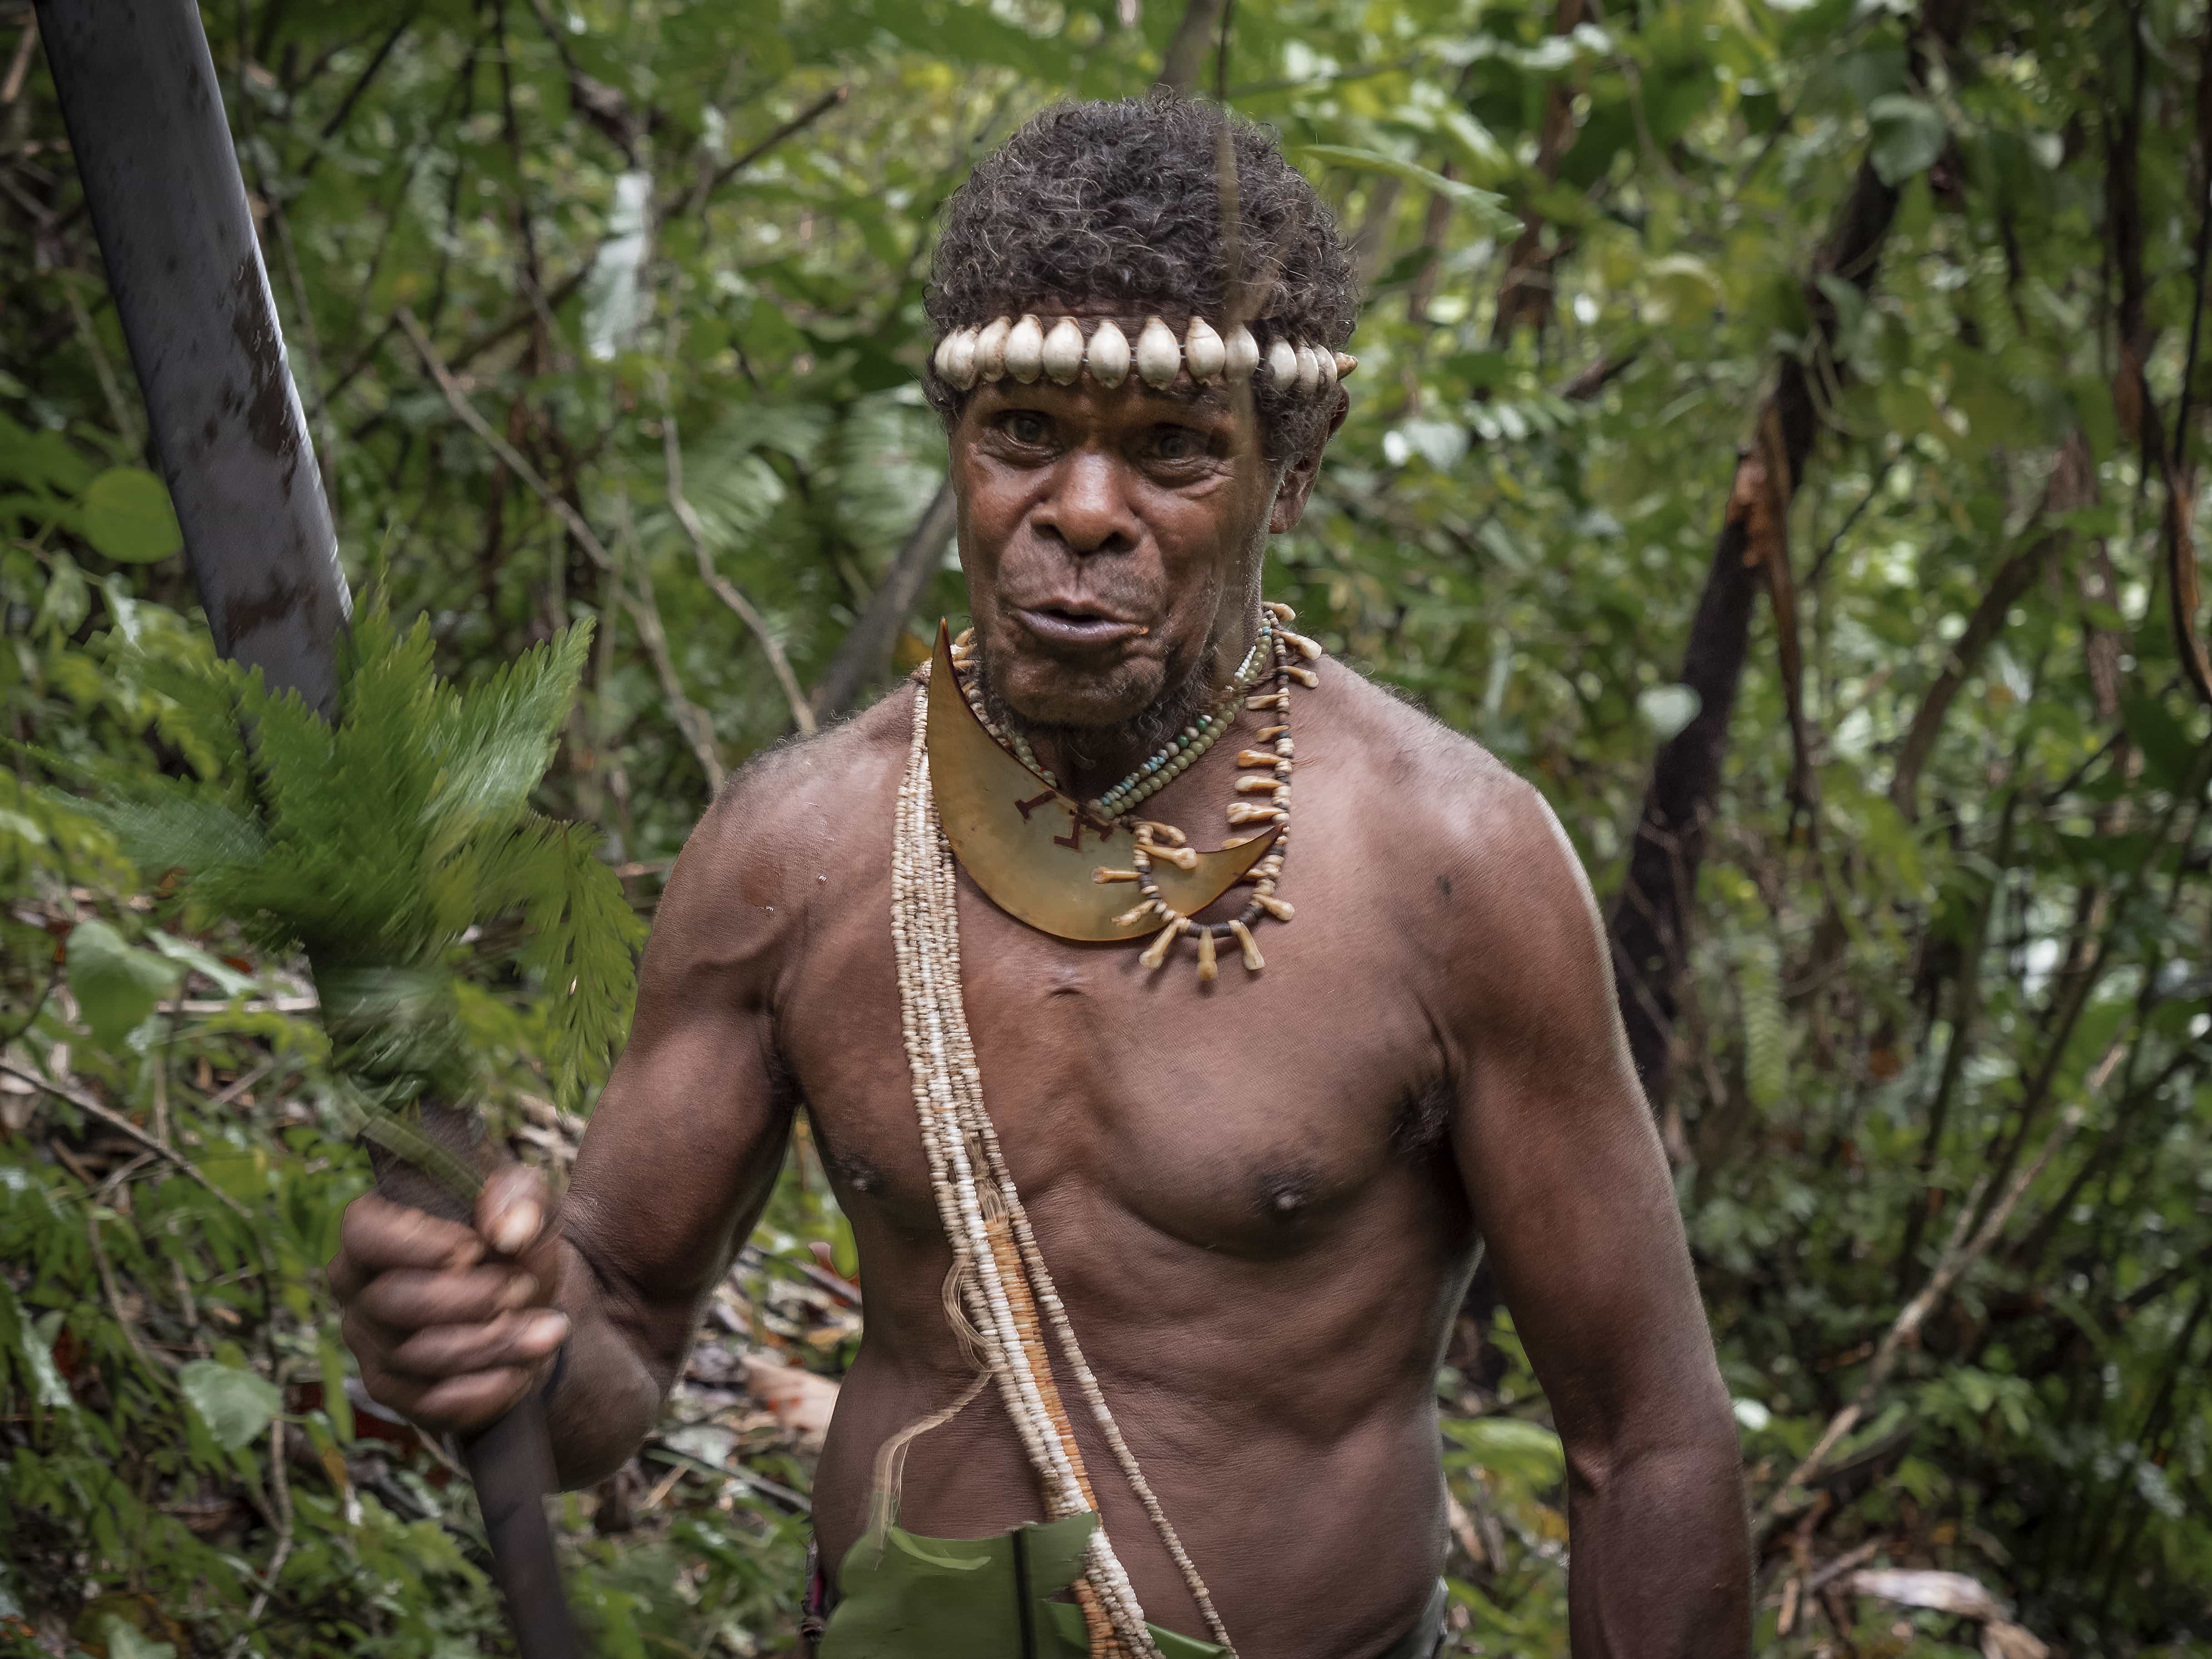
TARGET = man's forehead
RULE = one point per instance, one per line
(1180, 396)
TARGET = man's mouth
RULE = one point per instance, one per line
(1076, 625)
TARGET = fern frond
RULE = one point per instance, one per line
(581, 936)
(374, 843)
(500, 737)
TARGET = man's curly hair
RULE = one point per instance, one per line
(1120, 203)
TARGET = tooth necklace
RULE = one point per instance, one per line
(1274, 647)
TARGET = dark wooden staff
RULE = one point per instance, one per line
(144, 112)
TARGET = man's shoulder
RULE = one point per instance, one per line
(803, 799)
(1438, 781)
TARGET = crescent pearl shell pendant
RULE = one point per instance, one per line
(1028, 348)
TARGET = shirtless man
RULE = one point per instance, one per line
(1260, 1195)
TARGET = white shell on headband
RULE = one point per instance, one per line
(1109, 356)
(1025, 349)
(1308, 370)
(1241, 354)
(1202, 349)
(1345, 363)
(1063, 351)
(1159, 358)
(1283, 364)
(1326, 360)
(957, 358)
(991, 347)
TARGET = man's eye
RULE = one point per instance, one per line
(1176, 443)
(1026, 427)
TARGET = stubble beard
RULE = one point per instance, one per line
(1087, 752)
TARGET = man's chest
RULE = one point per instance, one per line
(1241, 1115)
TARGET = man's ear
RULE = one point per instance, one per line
(1298, 477)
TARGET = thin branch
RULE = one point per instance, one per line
(120, 410)
(1851, 518)
(867, 644)
(645, 611)
(122, 1126)
(798, 123)
(724, 590)
(458, 401)
(114, 1294)
(1959, 1254)
(344, 111)
(2073, 485)
(1186, 54)
(280, 1487)
(19, 65)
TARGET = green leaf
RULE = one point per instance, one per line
(1766, 1024)
(116, 985)
(227, 979)
(235, 1405)
(337, 1405)
(48, 1385)
(128, 517)
(1908, 136)
(2167, 751)
(1668, 709)
(126, 1640)
(1511, 1445)
(1486, 204)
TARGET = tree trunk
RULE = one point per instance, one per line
(1650, 918)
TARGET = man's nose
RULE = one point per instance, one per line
(1088, 510)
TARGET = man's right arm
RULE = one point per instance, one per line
(600, 1299)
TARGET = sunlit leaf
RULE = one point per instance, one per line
(234, 1404)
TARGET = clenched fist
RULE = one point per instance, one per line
(450, 1323)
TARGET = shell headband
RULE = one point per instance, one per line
(1026, 350)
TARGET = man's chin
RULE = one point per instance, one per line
(1047, 694)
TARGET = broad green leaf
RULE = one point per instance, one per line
(2167, 750)
(1908, 135)
(116, 984)
(1666, 709)
(1511, 1445)
(126, 1641)
(227, 979)
(127, 516)
(235, 1405)
(36, 1339)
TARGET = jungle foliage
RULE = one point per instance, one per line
(1775, 436)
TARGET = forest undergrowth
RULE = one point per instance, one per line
(1777, 435)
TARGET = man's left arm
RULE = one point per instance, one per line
(1572, 1191)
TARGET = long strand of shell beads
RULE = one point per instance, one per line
(1023, 348)
(965, 1159)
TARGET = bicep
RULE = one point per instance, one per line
(688, 1135)
(1563, 1164)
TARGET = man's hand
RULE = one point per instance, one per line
(450, 1323)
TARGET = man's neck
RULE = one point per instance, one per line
(1089, 759)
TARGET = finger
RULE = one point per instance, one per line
(344, 1278)
(390, 1390)
(463, 1404)
(512, 1338)
(512, 1209)
(377, 1234)
(409, 1300)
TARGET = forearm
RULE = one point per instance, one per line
(1661, 1564)
(605, 1389)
